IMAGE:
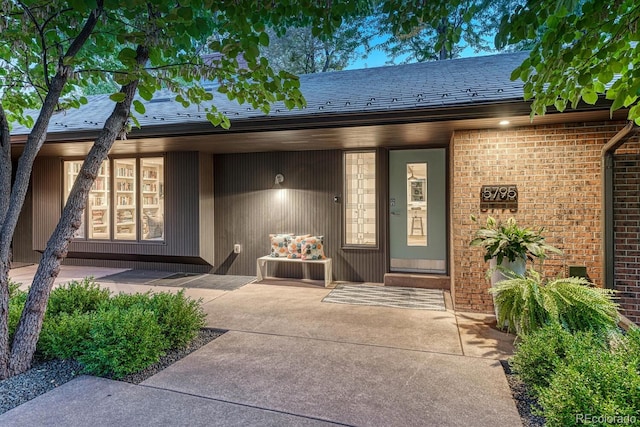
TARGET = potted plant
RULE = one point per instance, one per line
(508, 245)
(529, 302)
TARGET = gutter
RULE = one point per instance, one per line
(607, 163)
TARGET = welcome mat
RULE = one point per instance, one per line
(387, 296)
(178, 280)
(219, 282)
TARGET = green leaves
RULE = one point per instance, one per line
(528, 303)
(579, 50)
(507, 240)
(117, 97)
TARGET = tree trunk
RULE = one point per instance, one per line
(26, 338)
(4, 319)
(13, 197)
(5, 191)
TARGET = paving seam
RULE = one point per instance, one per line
(359, 344)
(460, 336)
(245, 405)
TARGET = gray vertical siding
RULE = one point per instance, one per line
(206, 212)
(248, 209)
(47, 199)
(22, 238)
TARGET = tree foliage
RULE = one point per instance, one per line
(586, 50)
(298, 51)
(438, 30)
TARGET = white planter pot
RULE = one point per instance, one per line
(519, 266)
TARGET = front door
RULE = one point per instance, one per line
(418, 210)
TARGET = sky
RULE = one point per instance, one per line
(377, 58)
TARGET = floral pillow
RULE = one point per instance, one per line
(280, 245)
(313, 248)
(295, 246)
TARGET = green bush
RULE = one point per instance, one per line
(595, 382)
(77, 296)
(527, 303)
(123, 341)
(542, 352)
(65, 336)
(179, 317)
(17, 299)
(126, 301)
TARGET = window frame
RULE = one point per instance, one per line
(345, 198)
(138, 197)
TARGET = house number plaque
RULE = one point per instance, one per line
(499, 197)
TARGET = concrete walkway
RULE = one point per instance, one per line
(290, 359)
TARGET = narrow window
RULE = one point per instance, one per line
(360, 207)
(125, 199)
(99, 205)
(416, 204)
(71, 171)
(152, 191)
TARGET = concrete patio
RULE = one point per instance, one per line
(290, 359)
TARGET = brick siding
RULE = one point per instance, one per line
(557, 171)
(626, 217)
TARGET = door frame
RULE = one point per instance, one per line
(387, 211)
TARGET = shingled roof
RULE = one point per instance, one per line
(412, 87)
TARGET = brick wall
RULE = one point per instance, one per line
(557, 171)
(626, 217)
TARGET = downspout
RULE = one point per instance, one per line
(608, 244)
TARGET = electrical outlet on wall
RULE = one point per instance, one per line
(237, 248)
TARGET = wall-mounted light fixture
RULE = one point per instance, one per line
(278, 181)
(504, 122)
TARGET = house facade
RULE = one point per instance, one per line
(388, 164)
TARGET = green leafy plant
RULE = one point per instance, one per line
(540, 353)
(123, 341)
(17, 299)
(603, 381)
(508, 240)
(527, 303)
(82, 296)
(65, 336)
(179, 317)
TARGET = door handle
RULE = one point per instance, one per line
(395, 213)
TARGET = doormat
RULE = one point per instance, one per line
(388, 296)
(219, 282)
(134, 277)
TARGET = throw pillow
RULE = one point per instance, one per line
(295, 246)
(313, 248)
(279, 244)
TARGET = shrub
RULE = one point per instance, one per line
(65, 336)
(123, 341)
(542, 352)
(527, 303)
(603, 383)
(179, 317)
(17, 299)
(77, 296)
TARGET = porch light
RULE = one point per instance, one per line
(504, 122)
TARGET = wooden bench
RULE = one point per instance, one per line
(261, 268)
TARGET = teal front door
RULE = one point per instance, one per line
(418, 210)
